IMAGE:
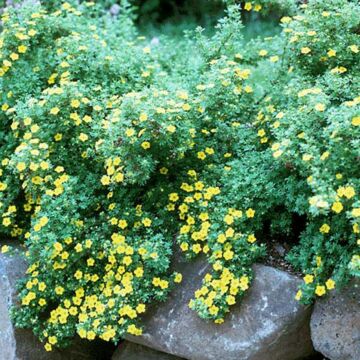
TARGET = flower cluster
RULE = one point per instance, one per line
(114, 150)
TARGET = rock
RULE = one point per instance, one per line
(131, 351)
(268, 324)
(280, 249)
(20, 344)
(335, 324)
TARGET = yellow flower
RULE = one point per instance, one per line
(130, 132)
(349, 192)
(171, 128)
(22, 49)
(263, 52)
(228, 255)
(52, 340)
(196, 248)
(257, 7)
(354, 48)
(141, 308)
(320, 107)
(143, 117)
(178, 278)
(83, 137)
(82, 333)
(331, 53)
(250, 213)
(337, 207)
(6, 221)
(173, 197)
(105, 180)
(330, 284)
(251, 238)
(75, 103)
(54, 111)
(320, 290)
(21, 166)
(58, 137)
(122, 224)
(355, 121)
(298, 295)
(59, 290)
(228, 219)
(14, 56)
(230, 300)
(248, 6)
(32, 32)
(308, 279)
(277, 154)
(325, 229)
(146, 145)
(146, 222)
(4, 249)
(356, 212)
(91, 335)
(286, 19)
(201, 155)
(305, 50)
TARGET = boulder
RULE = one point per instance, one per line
(132, 351)
(20, 344)
(268, 324)
(335, 324)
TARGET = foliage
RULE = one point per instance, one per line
(116, 149)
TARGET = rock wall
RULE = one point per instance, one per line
(268, 324)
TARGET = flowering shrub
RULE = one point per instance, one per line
(114, 150)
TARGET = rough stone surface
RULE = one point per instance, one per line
(335, 324)
(19, 344)
(268, 324)
(132, 351)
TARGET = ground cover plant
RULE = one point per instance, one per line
(116, 149)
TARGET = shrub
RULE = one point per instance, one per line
(115, 149)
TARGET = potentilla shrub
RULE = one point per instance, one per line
(115, 149)
(318, 137)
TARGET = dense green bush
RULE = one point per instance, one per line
(114, 149)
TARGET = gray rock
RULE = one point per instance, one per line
(131, 351)
(335, 324)
(20, 344)
(268, 324)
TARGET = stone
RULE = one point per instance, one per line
(268, 324)
(20, 344)
(335, 324)
(132, 351)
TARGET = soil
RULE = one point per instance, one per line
(276, 257)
